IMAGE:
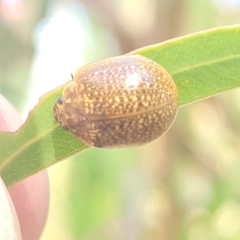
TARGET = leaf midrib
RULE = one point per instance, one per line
(26, 145)
(204, 64)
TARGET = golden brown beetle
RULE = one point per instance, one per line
(118, 102)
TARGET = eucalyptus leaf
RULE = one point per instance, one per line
(202, 65)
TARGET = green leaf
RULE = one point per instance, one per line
(38, 144)
(202, 64)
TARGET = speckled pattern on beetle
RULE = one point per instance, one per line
(118, 102)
